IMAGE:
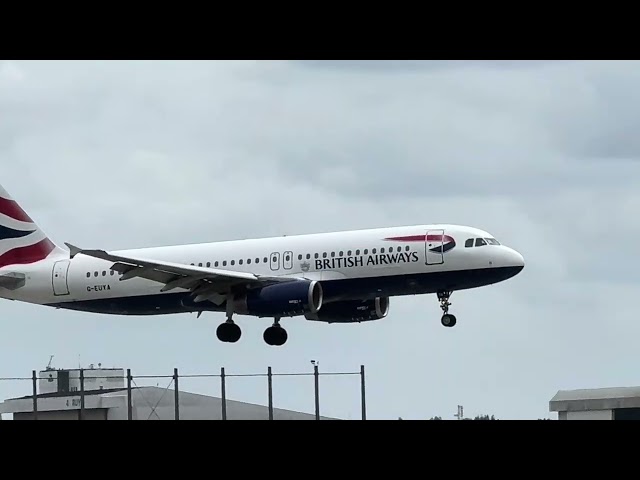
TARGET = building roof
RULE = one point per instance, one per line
(595, 399)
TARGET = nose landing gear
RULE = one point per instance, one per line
(448, 319)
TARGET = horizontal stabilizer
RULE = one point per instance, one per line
(12, 280)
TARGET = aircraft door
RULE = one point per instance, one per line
(275, 261)
(60, 284)
(287, 260)
(434, 245)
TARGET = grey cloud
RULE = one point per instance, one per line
(419, 65)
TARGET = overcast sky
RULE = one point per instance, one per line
(544, 155)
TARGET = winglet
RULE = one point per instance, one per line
(73, 250)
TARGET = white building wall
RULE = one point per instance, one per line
(590, 415)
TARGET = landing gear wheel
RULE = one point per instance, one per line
(276, 336)
(229, 332)
(448, 320)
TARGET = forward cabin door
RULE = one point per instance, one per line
(434, 244)
(60, 284)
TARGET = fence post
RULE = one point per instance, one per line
(316, 374)
(82, 394)
(364, 404)
(176, 394)
(34, 379)
(129, 406)
(224, 394)
(270, 378)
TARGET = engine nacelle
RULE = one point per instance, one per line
(286, 299)
(352, 311)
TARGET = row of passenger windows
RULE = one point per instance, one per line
(104, 273)
(286, 257)
(479, 242)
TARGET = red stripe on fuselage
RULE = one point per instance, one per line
(30, 254)
(11, 209)
(421, 238)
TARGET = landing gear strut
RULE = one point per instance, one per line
(448, 319)
(275, 335)
(229, 332)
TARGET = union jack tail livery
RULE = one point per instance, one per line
(21, 240)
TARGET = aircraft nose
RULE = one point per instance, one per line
(515, 259)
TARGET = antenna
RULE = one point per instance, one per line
(460, 414)
(48, 367)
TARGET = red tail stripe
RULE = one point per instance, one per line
(11, 209)
(30, 254)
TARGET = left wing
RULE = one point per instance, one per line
(204, 283)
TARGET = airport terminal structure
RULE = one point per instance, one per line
(616, 403)
(106, 397)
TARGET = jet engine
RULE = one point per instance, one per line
(286, 299)
(351, 311)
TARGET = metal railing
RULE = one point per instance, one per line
(175, 378)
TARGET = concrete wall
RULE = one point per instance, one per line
(588, 415)
(95, 414)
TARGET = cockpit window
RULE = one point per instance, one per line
(492, 241)
(480, 242)
(469, 243)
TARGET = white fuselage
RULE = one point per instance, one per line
(361, 264)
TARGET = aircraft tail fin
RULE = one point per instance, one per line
(21, 240)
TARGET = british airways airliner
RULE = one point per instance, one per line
(338, 277)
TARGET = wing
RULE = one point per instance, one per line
(204, 283)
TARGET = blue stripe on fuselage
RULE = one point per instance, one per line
(334, 290)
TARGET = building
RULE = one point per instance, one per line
(106, 398)
(618, 403)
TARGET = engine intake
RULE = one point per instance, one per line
(281, 300)
(352, 311)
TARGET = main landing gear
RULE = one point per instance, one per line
(275, 335)
(229, 332)
(448, 319)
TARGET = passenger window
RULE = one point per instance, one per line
(308, 256)
(248, 261)
(224, 263)
(407, 248)
(216, 264)
(358, 252)
(469, 243)
(480, 242)
(366, 250)
(240, 261)
(349, 253)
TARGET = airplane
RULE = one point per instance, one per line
(335, 277)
